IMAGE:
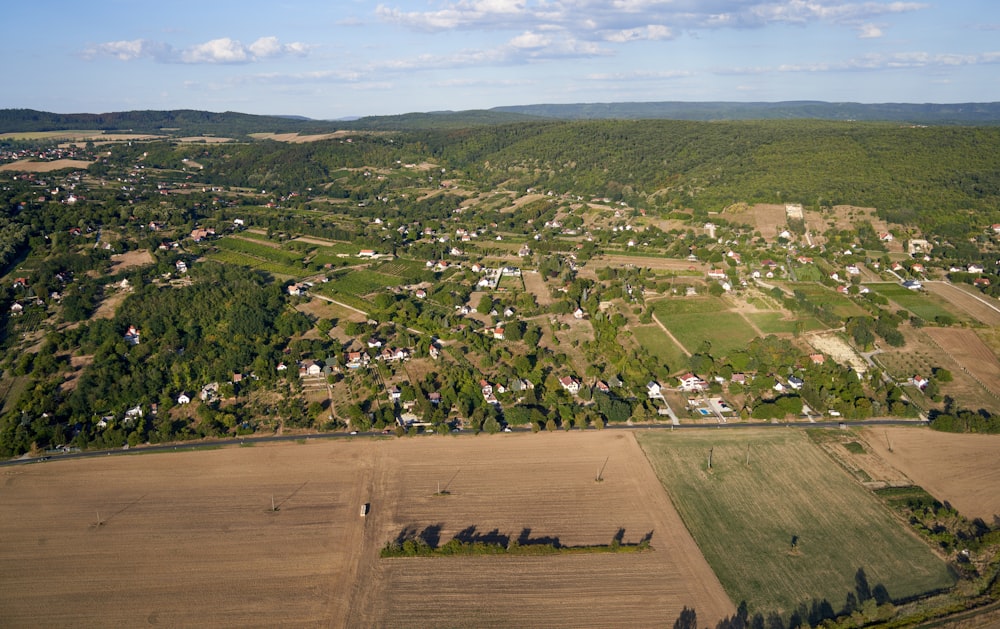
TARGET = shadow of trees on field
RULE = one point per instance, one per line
(431, 536)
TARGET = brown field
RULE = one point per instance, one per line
(980, 308)
(656, 264)
(130, 260)
(207, 139)
(971, 354)
(295, 138)
(960, 469)
(189, 538)
(769, 219)
(535, 284)
(83, 136)
(31, 166)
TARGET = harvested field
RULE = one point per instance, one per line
(189, 538)
(31, 166)
(678, 265)
(534, 283)
(959, 468)
(980, 308)
(131, 260)
(295, 138)
(792, 525)
(971, 354)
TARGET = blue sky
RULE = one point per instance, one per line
(326, 59)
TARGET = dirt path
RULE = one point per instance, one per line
(671, 336)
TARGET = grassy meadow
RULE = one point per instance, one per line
(744, 518)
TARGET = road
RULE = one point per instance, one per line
(204, 445)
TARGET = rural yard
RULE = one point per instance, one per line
(191, 538)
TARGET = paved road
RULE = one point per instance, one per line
(204, 445)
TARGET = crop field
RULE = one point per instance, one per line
(927, 306)
(190, 538)
(972, 355)
(958, 468)
(659, 344)
(821, 295)
(665, 308)
(30, 165)
(360, 282)
(789, 527)
(775, 323)
(227, 256)
(726, 331)
(265, 250)
(968, 300)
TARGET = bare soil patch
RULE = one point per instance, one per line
(959, 468)
(295, 138)
(205, 139)
(110, 305)
(656, 264)
(189, 538)
(971, 354)
(131, 260)
(535, 284)
(980, 308)
(32, 166)
(838, 349)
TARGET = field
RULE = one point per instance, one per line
(971, 354)
(791, 526)
(959, 469)
(774, 322)
(726, 331)
(821, 295)
(190, 539)
(660, 345)
(29, 165)
(981, 308)
(927, 306)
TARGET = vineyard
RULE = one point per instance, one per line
(227, 256)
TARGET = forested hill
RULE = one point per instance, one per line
(233, 124)
(926, 113)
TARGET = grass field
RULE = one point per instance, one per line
(745, 517)
(821, 295)
(653, 339)
(926, 306)
(277, 269)
(775, 323)
(726, 331)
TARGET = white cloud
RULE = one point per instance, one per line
(652, 32)
(869, 31)
(875, 62)
(217, 51)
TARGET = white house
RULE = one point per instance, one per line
(690, 382)
(183, 398)
(653, 390)
(570, 384)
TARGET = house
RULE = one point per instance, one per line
(16, 308)
(896, 266)
(975, 268)
(917, 268)
(183, 398)
(434, 398)
(420, 293)
(919, 381)
(133, 413)
(716, 274)
(852, 269)
(486, 388)
(366, 253)
(434, 352)
(602, 386)
(374, 342)
(132, 335)
(738, 378)
(579, 313)
(795, 382)
(199, 234)
(356, 360)
(498, 333)
(885, 236)
(209, 392)
(842, 289)
(690, 382)
(913, 284)
(295, 289)
(817, 359)
(395, 393)
(524, 251)
(282, 367)
(569, 383)
(981, 281)
(310, 368)
(653, 390)
(518, 385)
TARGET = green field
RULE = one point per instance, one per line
(687, 305)
(927, 307)
(745, 517)
(726, 331)
(277, 269)
(774, 323)
(821, 295)
(659, 345)
(259, 249)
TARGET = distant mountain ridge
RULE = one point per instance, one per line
(931, 113)
(235, 124)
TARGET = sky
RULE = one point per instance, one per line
(334, 59)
